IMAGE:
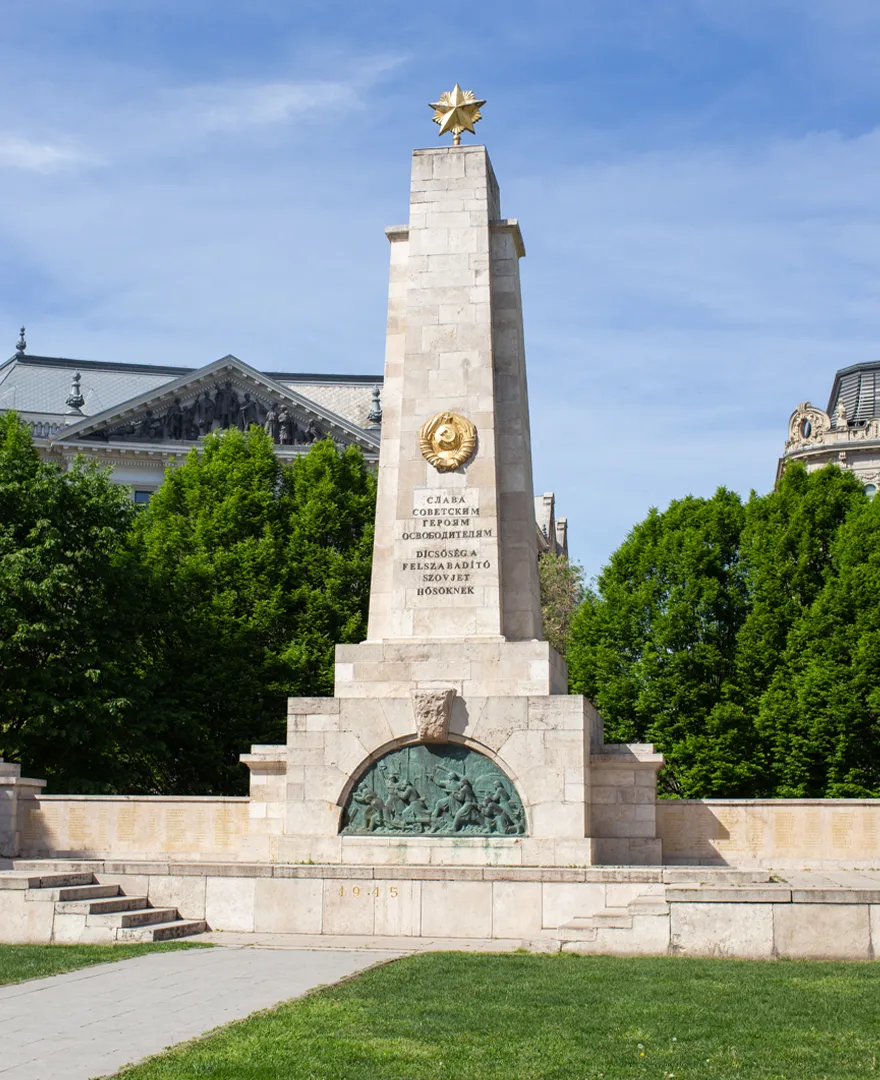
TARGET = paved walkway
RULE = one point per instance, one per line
(399, 945)
(91, 1022)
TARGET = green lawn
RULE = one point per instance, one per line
(20, 962)
(525, 1017)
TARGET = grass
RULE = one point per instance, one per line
(527, 1017)
(21, 962)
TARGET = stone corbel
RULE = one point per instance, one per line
(431, 711)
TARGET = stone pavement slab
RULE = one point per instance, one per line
(91, 1022)
(377, 943)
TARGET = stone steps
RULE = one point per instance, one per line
(85, 911)
(76, 892)
(101, 907)
(167, 931)
(640, 928)
(144, 917)
(15, 879)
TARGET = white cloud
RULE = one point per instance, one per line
(238, 106)
(20, 153)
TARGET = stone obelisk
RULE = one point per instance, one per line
(455, 561)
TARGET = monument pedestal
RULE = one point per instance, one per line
(451, 739)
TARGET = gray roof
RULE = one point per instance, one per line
(41, 385)
(352, 401)
(859, 386)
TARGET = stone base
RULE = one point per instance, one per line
(609, 910)
(548, 747)
(582, 801)
(471, 851)
(480, 669)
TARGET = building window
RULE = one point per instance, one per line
(806, 429)
(141, 498)
(870, 490)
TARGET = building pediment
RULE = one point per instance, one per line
(224, 394)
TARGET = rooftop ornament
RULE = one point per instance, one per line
(457, 111)
(21, 344)
(75, 400)
(375, 415)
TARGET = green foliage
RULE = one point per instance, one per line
(258, 570)
(145, 650)
(740, 640)
(655, 645)
(821, 713)
(528, 1017)
(68, 594)
(786, 554)
(562, 592)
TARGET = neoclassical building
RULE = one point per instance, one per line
(847, 433)
(139, 419)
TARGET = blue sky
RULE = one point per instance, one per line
(696, 182)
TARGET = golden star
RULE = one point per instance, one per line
(457, 111)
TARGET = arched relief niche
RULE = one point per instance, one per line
(436, 790)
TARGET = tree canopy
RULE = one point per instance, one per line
(144, 649)
(68, 596)
(739, 640)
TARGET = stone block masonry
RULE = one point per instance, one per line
(455, 343)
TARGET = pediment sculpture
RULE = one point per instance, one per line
(188, 418)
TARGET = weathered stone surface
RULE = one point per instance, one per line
(744, 930)
(431, 711)
(822, 931)
(777, 833)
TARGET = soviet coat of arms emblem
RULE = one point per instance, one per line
(447, 440)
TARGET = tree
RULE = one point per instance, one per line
(257, 569)
(562, 593)
(785, 552)
(654, 646)
(68, 596)
(743, 641)
(821, 712)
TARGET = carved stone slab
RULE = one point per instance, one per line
(431, 709)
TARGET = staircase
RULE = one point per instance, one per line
(643, 927)
(640, 928)
(87, 912)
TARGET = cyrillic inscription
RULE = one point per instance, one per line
(444, 544)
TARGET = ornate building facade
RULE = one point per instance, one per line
(138, 419)
(847, 433)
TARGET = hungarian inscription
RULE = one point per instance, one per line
(448, 546)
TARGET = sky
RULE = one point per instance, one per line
(696, 182)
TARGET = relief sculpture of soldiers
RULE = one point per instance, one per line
(436, 790)
(217, 409)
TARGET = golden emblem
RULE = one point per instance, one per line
(457, 111)
(447, 440)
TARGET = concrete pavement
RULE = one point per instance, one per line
(91, 1022)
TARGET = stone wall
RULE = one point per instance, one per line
(140, 826)
(745, 833)
(771, 832)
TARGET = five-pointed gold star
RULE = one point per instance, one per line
(457, 111)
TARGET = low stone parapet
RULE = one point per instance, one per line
(796, 833)
(137, 826)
